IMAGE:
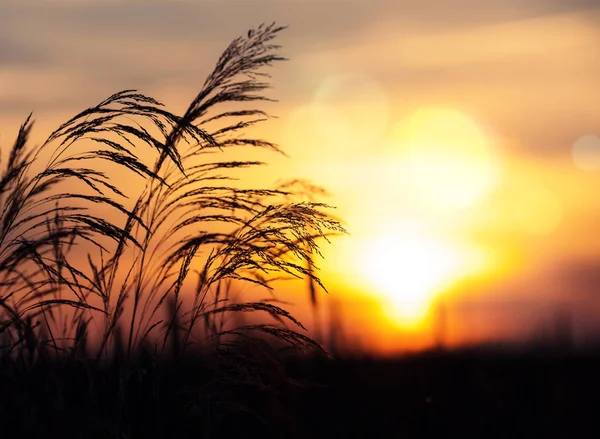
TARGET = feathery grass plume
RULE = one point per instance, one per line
(191, 221)
(42, 218)
(195, 219)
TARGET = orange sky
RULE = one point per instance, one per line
(460, 142)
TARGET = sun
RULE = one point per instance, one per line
(409, 269)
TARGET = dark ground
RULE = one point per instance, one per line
(473, 394)
(467, 394)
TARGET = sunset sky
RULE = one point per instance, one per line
(460, 141)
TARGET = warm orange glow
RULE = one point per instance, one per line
(409, 268)
(462, 155)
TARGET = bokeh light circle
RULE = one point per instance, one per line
(316, 132)
(361, 101)
(586, 153)
(448, 157)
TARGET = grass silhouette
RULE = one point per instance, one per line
(113, 306)
(117, 310)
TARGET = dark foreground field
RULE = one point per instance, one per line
(442, 394)
(462, 394)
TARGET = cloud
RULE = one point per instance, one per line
(325, 23)
(111, 45)
(17, 53)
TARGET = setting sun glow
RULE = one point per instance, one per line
(409, 269)
(459, 150)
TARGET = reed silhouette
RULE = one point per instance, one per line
(114, 303)
(129, 314)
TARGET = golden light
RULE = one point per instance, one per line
(448, 156)
(540, 212)
(409, 268)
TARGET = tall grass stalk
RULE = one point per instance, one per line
(189, 223)
(107, 282)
